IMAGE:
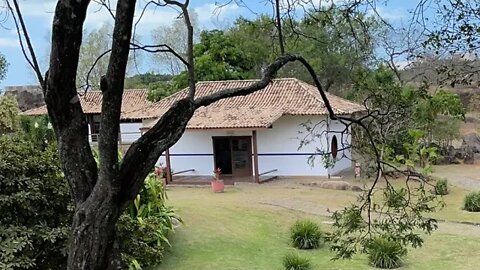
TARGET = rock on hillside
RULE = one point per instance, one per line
(470, 98)
(472, 141)
(28, 96)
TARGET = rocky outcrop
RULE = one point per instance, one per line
(28, 96)
(466, 154)
(472, 141)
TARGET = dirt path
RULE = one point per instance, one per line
(464, 176)
(307, 207)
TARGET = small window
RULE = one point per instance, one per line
(334, 147)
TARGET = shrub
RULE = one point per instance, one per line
(293, 261)
(144, 227)
(35, 206)
(386, 253)
(441, 187)
(38, 130)
(472, 202)
(8, 113)
(305, 234)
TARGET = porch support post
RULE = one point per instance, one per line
(120, 134)
(255, 156)
(169, 170)
(91, 124)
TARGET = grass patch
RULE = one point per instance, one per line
(248, 228)
(385, 253)
(472, 202)
(453, 210)
(441, 187)
(293, 261)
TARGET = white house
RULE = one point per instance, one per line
(91, 102)
(259, 134)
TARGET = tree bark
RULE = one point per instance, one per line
(63, 103)
(93, 244)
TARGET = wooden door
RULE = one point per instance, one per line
(241, 156)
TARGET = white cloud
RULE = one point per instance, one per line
(212, 14)
(8, 42)
(97, 14)
(152, 17)
(208, 14)
(402, 64)
(35, 8)
(391, 14)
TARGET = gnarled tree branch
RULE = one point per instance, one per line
(62, 100)
(112, 88)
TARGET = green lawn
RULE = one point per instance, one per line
(247, 228)
(453, 210)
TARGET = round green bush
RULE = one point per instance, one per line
(293, 261)
(305, 234)
(441, 187)
(385, 253)
(36, 207)
(472, 202)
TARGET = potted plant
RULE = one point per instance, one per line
(217, 183)
(161, 173)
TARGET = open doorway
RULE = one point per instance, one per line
(233, 155)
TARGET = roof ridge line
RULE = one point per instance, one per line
(124, 90)
(246, 80)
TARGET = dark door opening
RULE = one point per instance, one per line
(233, 155)
(223, 154)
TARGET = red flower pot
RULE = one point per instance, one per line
(218, 186)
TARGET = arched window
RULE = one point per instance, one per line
(334, 147)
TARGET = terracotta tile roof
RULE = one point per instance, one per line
(259, 109)
(91, 101)
(218, 117)
(36, 111)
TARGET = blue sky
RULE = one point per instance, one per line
(39, 14)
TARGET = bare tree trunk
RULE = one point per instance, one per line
(93, 244)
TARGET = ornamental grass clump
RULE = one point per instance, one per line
(441, 187)
(305, 234)
(385, 253)
(293, 261)
(472, 202)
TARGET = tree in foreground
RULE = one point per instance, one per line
(101, 194)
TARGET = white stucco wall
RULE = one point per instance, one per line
(343, 160)
(277, 149)
(195, 151)
(130, 132)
